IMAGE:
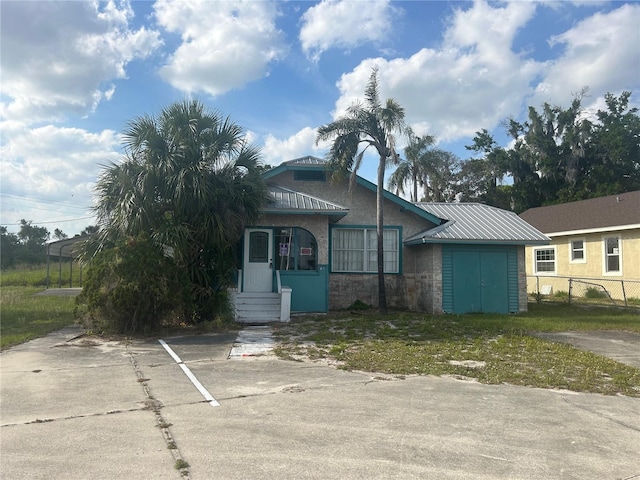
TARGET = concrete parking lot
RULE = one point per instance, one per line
(75, 407)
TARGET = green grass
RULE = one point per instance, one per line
(491, 349)
(36, 275)
(24, 317)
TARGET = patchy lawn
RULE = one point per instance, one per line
(491, 349)
(25, 316)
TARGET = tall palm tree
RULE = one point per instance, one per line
(415, 168)
(375, 125)
(191, 182)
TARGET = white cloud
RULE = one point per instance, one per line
(345, 24)
(475, 79)
(48, 173)
(598, 52)
(62, 57)
(225, 45)
(483, 78)
(302, 143)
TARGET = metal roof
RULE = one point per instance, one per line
(285, 200)
(306, 161)
(476, 223)
(65, 248)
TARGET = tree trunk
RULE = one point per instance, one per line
(382, 292)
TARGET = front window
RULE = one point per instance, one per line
(611, 255)
(297, 249)
(356, 250)
(545, 260)
(578, 251)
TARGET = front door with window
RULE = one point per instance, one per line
(258, 260)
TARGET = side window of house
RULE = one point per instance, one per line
(578, 251)
(355, 250)
(544, 260)
(296, 249)
(612, 263)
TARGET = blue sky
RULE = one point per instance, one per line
(73, 74)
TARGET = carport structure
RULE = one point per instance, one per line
(65, 248)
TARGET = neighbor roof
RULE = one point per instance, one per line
(289, 201)
(476, 223)
(595, 214)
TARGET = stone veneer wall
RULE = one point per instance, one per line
(522, 280)
(418, 290)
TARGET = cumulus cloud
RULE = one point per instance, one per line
(50, 171)
(62, 57)
(598, 52)
(483, 78)
(300, 144)
(475, 78)
(344, 24)
(225, 45)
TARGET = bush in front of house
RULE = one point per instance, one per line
(131, 288)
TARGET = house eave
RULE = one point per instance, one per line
(275, 211)
(431, 240)
(616, 228)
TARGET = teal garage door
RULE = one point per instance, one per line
(479, 279)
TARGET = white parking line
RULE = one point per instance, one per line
(196, 383)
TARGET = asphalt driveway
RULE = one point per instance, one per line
(73, 407)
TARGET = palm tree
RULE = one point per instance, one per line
(191, 182)
(416, 167)
(375, 125)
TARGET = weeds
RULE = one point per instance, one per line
(492, 349)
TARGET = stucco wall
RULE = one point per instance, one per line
(593, 266)
(361, 203)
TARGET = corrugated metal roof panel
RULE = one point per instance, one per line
(308, 160)
(477, 222)
(290, 200)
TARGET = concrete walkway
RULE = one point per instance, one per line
(624, 347)
(78, 407)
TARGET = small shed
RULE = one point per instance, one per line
(482, 256)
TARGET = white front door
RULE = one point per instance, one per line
(258, 260)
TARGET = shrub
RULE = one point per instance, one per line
(132, 288)
(595, 293)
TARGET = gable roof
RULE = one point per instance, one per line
(289, 201)
(476, 223)
(314, 163)
(613, 212)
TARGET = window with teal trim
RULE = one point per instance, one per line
(296, 249)
(355, 250)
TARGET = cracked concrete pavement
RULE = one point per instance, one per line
(75, 407)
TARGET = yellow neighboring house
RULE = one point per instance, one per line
(596, 240)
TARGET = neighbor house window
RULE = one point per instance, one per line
(578, 253)
(356, 250)
(296, 249)
(612, 252)
(545, 260)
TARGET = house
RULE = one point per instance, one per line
(598, 238)
(315, 247)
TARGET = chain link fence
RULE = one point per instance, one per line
(601, 291)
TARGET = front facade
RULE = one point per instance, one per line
(595, 239)
(317, 239)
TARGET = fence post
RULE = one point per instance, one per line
(570, 286)
(624, 294)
